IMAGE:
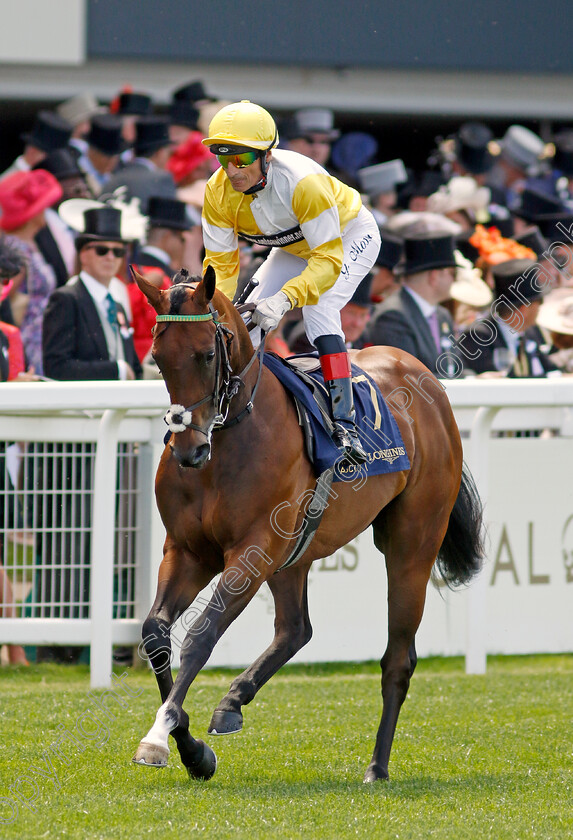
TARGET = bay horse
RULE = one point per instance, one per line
(235, 452)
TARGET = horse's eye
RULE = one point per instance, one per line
(210, 356)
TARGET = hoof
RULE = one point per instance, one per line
(375, 774)
(151, 755)
(225, 723)
(206, 766)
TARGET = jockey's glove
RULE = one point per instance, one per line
(270, 311)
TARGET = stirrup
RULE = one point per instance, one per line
(347, 440)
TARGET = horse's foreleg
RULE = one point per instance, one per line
(292, 631)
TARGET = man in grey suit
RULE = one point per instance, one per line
(412, 318)
(147, 175)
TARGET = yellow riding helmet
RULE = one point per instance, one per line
(243, 124)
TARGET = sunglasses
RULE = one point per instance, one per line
(238, 161)
(103, 250)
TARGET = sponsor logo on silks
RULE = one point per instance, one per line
(388, 455)
(276, 240)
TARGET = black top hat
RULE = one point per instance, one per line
(182, 112)
(427, 251)
(515, 279)
(563, 159)
(152, 133)
(62, 163)
(105, 135)
(100, 223)
(134, 104)
(361, 296)
(534, 203)
(192, 92)
(552, 224)
(504, 224)
(471, 143)
(422, 183)
(168, 213)
(49, 132)
(390, 252)
(465, 247)
(534, 239)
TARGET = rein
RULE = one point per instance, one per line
(226, 385)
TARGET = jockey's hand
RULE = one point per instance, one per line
(270, 311)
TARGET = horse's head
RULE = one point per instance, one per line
(199, 344)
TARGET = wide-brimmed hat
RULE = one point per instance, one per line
(49, 132)
(382, 177)
(522, 148)
(468, 286)
(62, 163)
(427, 251)
(105, 135)
(168, 212)
(472, 147)
(309, 121)
(24, 195)
(80, 108)
(133, 104)
(80, 215)
(192, 92)
(187, 156)
(462, 192)
(391, 249)
(152, 133)
(533, 203)
(556, 313)
(518, 275)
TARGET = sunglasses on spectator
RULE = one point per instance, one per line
(103, 250)
(238, 161)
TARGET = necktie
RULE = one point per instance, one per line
(521, 365)
(435, 329)
(111, 310)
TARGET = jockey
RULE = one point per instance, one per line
(324, 242)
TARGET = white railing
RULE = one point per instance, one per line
(107, 413)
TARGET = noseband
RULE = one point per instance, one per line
(226, 385)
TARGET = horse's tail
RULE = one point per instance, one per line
(462, 550)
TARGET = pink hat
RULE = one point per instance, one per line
(187, 156)
(25, 194)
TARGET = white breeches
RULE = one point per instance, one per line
(361, 242)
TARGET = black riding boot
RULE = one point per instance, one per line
(335, 366)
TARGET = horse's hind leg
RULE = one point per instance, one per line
(292, 631)
(410, 545)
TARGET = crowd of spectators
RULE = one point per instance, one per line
(472, 277)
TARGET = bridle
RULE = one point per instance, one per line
(226, 385)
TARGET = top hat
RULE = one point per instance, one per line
(515, 279)
(100, 224)
(382, 177)
(183, 112)
(534, 239)
(49, 132)
(563, 159)
(427, 251)
(168, 213)
(62, 163)
(521, 147)
(134, 104)
(105, 135)
(551, 226)
(535, 203)
(312, 121)
(472, 147)
(24, 195)
(465, 247)
(80, 108)
(420, 183)
(390, 253)
(192, 92)
(152, 133)
(361, 296)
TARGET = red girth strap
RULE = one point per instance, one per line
(335, 366)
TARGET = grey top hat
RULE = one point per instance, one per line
(80, 108)
(521, 147)
(382, 177)
(313, 121)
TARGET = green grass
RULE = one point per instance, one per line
(474, 757)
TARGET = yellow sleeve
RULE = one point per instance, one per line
(220, 241)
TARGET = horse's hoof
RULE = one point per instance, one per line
(206, 766)
(375, 774)
(151, 755)
(225, 723)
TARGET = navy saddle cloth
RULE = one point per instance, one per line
(377, 428)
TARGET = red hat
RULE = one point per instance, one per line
(25, 194)
(187, 156)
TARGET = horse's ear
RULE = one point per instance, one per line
(151, 292)
(206, 289)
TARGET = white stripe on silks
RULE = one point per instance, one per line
(323, 229)
(220, 240)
